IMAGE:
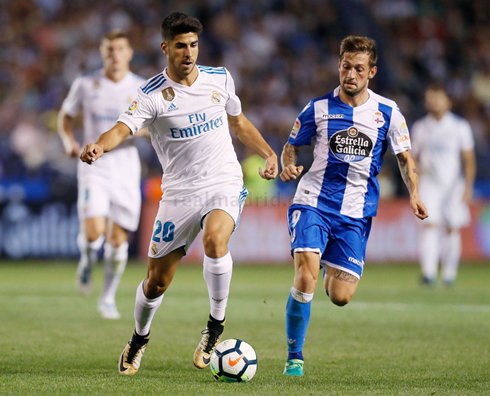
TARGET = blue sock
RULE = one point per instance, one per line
(297, 318)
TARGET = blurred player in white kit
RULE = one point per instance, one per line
(443, 146)
(188, 110)
(109, 197)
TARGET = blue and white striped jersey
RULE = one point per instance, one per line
(349, 146)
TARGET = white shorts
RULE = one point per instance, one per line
(445, 204)
(111, 188)
(179, 220)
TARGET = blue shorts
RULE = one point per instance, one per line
(340, 240)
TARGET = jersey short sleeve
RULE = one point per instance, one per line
(416, 135)
(140, 114)
(398, 135)
(304, 127)
(73, 102)
(233, 104)
(467, 141)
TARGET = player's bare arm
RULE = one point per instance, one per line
(289, 157)
(251, 137)
(411, 180)
(106, 142)
(469, 165)
(65, 130)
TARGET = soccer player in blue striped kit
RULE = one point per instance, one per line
(330, 218)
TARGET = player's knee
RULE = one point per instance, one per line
(339, 298)
(307, 277)
(155, 286)
(215, 244)
(93, 235)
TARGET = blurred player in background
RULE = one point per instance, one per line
(443, 147)
(109, 197)
(188, 109)
(330, 219)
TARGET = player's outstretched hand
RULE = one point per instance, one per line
(419, 209)
(291, 172)
(271, 168)
(91, 153)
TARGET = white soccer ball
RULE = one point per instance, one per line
(233, 361)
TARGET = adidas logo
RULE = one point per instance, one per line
(172, 107)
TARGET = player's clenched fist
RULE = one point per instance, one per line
(271, 168)
(91, 153)
(291, 172)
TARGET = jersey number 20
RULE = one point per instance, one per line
(167, 234)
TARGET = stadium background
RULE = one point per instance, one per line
(281, 54)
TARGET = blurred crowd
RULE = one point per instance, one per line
(281, 53)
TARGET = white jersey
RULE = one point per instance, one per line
(438, 144)
(189, 129)
(102, 101)
(110, 187)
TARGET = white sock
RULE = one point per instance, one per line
(115, 260)
(217, 274)
(144, 310)
(88, 251)
(452, 254)
(300, 296)
(429, 251)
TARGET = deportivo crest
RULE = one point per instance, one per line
(378, 119)
(296, 128)
(168, 94)
(351, 145)
(216, 97)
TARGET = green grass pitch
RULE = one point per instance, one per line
(394, 338)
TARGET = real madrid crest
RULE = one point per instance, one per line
(96, 84)
(154, 249)
(168, 94)
(216, 97)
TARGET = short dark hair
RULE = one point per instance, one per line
(115, 34)
(436, 87)
(360, 44)
(179, 23)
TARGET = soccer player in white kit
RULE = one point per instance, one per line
(443, 145)
(188, 109)
(109, 198)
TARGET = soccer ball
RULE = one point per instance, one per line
(233, 361)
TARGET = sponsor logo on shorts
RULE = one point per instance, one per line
(351, 145)
(215, 97)
(296, 128)
(168, 94)
(356, 261)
